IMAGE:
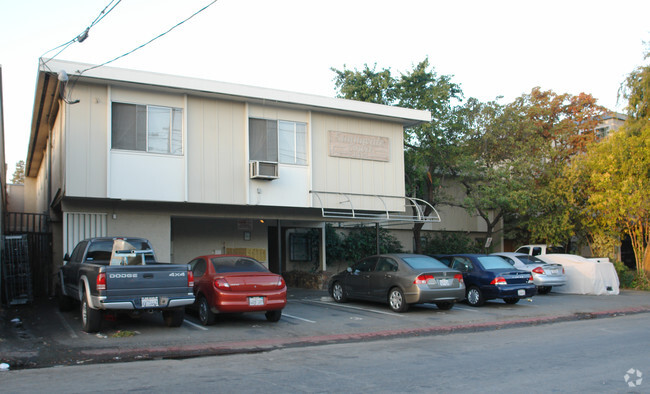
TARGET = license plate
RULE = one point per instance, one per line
(521, 292)
(149, 301)
(255, 301)
(445, 282)
(554, 272)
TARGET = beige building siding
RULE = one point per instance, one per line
(58, 157)
(456, 218)
(193, 237)
(361, 176)
(136, 221)
(86, 142)
(216, 148)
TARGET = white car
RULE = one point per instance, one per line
(545, 275)
(539, 249)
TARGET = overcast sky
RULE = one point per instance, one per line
(492, 48)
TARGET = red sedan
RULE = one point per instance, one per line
(233, 284)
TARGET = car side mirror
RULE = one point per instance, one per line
(66, 258)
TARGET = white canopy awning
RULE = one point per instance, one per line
(351, 211)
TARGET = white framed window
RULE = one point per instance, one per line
(147, 128)
(278, 141)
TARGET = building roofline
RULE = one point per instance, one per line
(48, 88)
(406, 116)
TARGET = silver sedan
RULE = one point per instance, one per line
(399, 280)
(545, 276)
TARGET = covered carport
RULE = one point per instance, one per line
(288, 239)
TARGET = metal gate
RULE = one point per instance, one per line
(16, 272)
(33, 230)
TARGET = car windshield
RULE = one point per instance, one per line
(236, 264)
(526, 259)
(423, 262)
(494, 262)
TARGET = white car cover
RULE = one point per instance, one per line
(585, 276)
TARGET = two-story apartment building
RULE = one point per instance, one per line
(200, 166)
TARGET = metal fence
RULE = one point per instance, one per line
(16, 270)
(27, 256)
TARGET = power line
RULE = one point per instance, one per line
(148, 42)
(83, 35)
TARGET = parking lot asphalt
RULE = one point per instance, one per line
(38, 335)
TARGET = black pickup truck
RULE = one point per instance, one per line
(122, 275)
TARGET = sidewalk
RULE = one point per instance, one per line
(37, 335)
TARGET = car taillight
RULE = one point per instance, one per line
(280, 283)
(499, 280)
(530, 279)
(563, 271)
(459, 277)
(101, 281)
(538, 270)
(190, 278)
(422, 279)
(221, 283)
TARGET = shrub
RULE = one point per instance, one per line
(305, 280)
(362, 242)
(451, 243)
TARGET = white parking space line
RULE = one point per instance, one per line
(297, 318)
(355, 307)
(465, 309)
(195, 325)
(67, 326)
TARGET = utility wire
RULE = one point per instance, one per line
(148, 42)
(83, 35)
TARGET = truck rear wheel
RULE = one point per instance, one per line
(91, 319)
(174, 317)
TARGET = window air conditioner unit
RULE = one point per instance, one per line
(263, 170)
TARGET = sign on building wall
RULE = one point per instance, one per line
(359, 146)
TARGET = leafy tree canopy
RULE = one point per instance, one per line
(19, 173)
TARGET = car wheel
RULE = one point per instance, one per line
(273, 316)
(91, 319)
(445, 306)
(511, 301)
(397, 301)
(544, 289)
(174, 317)
(338, 293)
(205, 314)
(475, 297)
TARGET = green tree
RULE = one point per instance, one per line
(564, 126)
(19, 173)
(427, 146)
(615, 175)
(493, 165)
(612, 180)
(366, 85)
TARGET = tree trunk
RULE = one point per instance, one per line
(417, 231)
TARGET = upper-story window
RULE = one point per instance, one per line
(278, 141)
(147, 128)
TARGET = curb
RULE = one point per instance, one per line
(258, 346)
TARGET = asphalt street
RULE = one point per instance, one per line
(585, 356)
(38, 335)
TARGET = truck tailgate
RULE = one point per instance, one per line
(147, 286)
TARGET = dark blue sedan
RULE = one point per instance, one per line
(489, 277)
